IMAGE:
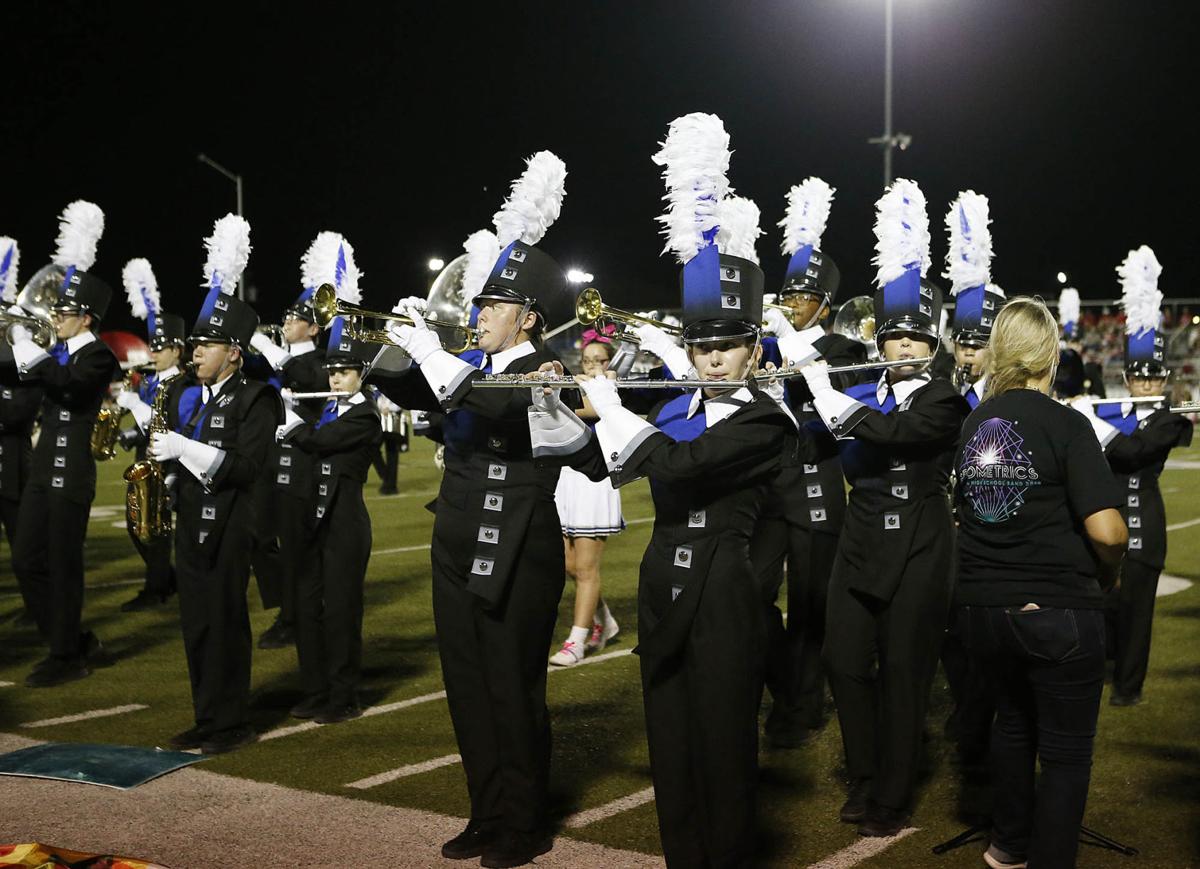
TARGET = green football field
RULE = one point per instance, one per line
(1145, 785)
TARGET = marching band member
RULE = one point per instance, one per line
(19, 403)
(709, 455)
(1038, 537)
(808, 503)
(889, 595)
(287, 484)
(589, 512)
(1137, 438)
(166, 340)
(329, 587)
(74, 375)
(497, 556)
(394, 441)
(220, 430)
(1069, 378)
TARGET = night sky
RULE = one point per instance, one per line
(402, 125)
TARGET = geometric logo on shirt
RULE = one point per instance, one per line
(995, 471)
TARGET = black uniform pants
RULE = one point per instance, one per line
(10, 509)
(387, 460)
(881, 657)
(216, 623)
(329, 600)
(280, 549)
(160, 575)
(1132, 622)
(794, 673)
(494, 668)
(970, 724)
(48, 562)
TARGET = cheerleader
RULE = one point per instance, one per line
(589, 513)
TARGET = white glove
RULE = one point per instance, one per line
(777, 323)
(773, 387)
(275, 355)
(260, 340)
(128, 399)
(410, 303)
(167, 445)
(655, 340)
(416, 340)
(286, 395)
(796, 350)
(17, 332)
(1083, 404)
(602, 393)
(291, 418)
(816, 375)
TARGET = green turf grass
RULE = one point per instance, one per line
(1145, 787)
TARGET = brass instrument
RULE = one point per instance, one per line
(962, 376)
(326, 306)
(274, 331)
(147, 511)
(856, 320)
(590, 308)
(108, 426)
(36, 299)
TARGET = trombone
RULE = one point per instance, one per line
(327, 306)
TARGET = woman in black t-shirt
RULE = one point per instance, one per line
(1039, 539)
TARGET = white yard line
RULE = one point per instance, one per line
(86, 716)
(7, 684)
(599, 813)
(403, 772)
(1188, 524)
(866, 847)
(396, 549)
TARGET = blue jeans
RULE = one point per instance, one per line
(1047, 669)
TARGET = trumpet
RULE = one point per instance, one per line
(274, 331)
(590, 307)
(327, 306)
(515, 381)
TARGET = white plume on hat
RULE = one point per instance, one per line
(738, 220)
(808, 205)
(534, 202)
(969, 257)
(141, 288)
(901, 232)
(996, 288)
(482, 247)
(8, 277)
(319, 265)
(79, 229)
(1140, 295)
(1068, 306)
(695, 161)
(228, 253)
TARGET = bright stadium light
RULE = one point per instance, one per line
(576, 276)
(436, 264)
(1062, 278)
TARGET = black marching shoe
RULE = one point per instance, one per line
(855, 807)
(227, 740)
(335, 714)
(144, 600)
(57, 671)
(309, 707)
(471, 841)
(511, 849)
(193, 737)
(278, 636)
(1124, 699)
(91, 650)
(882, 822)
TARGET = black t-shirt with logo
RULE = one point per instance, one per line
(1028, 472)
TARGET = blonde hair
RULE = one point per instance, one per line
(1023, 346)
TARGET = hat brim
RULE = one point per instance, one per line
(210, 336)
(718, 330)
(332, 363)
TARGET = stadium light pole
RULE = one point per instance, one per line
(237, 180)
(889, 139)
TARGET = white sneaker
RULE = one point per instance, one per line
(568, 656)
(602, 633)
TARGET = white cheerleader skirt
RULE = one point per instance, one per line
(587, 509)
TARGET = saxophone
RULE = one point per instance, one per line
(108, 426)
(147, 507)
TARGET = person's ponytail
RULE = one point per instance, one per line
(1023, 346)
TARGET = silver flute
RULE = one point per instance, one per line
(303, 395)
(515, 381)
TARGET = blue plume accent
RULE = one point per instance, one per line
(335, 333)
(901, 296)
(210, 301)
(798, 264)
(6, 263)
(1070, 329)
(968, 307)
(339, 271)
(473, 320)
(306, 294)
(67, 277)
(702, 279)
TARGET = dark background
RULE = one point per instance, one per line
(401, 126)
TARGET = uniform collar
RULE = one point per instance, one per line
(978, 386)
(301, 347)
(166, 372)
(811, 334)
(214, 390)
(74, 345)
(902, 390)
(719, 408)
(1142, 408)
(504, 358)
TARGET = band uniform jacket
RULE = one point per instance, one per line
(341, 449)
(292, 475)
(813, 495)
(492, 492)
(897, 460)
(241, 421)
(72, 396)
(1137, 456)
(19, 403)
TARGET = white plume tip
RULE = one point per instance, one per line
(808, 206)
(738, 218)
(79, 229)
(534, 201)
(901, 232)
(1140, 297)
(695, 160)
(969, 257)
(228, 253)
(140, 286)
(330, 260)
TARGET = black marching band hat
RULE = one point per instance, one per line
(79, 229)
(711, 234)
(224, 318)
(141, 289)
(905, 301)
(521, 273)
(1145, 346)
(809, 269)
(330, 260)
(968, 268)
